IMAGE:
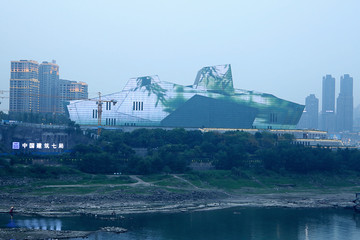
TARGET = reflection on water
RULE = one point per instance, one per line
(306, 232)
(42, 223)
(229, 224)
(34, 223)
(11, 224)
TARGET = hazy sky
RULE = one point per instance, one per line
(280, 47)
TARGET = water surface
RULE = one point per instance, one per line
(229, 224)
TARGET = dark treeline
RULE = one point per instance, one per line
(174, 150)
(45, 118)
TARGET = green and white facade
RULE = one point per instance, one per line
(211, 101)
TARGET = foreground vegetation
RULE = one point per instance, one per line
(44, 118)
(174, 151)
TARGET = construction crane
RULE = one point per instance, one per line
(2, 97)
(99, 103)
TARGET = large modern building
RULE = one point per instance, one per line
(211, 101)
(24, 87)
(328, 104)
(345, 102)
(49, 88)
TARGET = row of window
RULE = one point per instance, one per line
(108, 105)
(110, 121)
(138, 106)
(273, 117)
(303, 143)
(95, 113)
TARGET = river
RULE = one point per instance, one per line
(227, 224)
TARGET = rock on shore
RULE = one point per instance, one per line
(24, 233)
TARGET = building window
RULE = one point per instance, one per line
(95, 113)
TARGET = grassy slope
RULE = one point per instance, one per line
(245, 182)
(269, 182)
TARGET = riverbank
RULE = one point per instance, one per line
(111, 207)
(111, 198)
(166, 193)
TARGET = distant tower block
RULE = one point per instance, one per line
(328, 104)
(49, 88)
(310, 116)
(345, 102)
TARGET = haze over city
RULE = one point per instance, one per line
(179, 119)
(278, 47)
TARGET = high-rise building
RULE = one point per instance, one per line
(328, 104)
(312, 108)
(72, 90)
(345, 101)
(310, 117)
(49, 88)
(24, 86)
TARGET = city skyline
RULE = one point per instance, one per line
(337, 114)
(37, 88)
(337, 86)
(280, 47)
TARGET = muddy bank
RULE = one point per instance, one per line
(116, 202)
(163, 201)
